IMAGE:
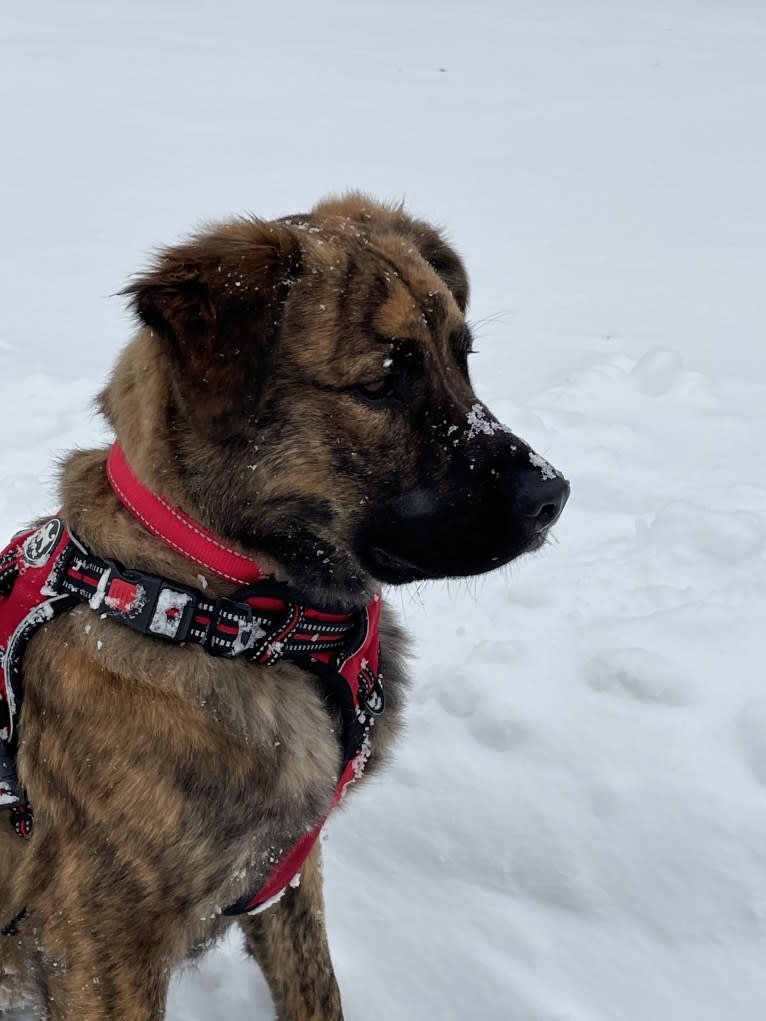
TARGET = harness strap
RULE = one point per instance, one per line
(48, 570)
(263, 622)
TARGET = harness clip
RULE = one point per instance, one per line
(147, 603)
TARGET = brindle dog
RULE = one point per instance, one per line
(301, 388)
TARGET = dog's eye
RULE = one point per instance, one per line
(376, 390)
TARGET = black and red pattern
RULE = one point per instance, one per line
(8, 572)
(22, 819)
(30, 567)
(263, 622)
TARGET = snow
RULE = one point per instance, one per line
(479, 422)
(574, 828)
(547, 470)
(98, 598)
(168, 612)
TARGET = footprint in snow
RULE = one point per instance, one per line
(457, 693)
(729, 536)
(655, 373)
(498, 734)
(447, 687)
(640, 675)
(504, 653)
(751, 726)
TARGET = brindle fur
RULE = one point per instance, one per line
(161, 777)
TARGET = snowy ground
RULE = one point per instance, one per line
(577, 831)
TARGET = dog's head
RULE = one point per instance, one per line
(315, 403)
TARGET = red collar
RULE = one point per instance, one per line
(182, 533)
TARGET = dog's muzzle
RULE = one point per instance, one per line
(496, 501)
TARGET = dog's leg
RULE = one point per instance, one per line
(289, 942)
(86, 991)
(92, 965)
(82, 994)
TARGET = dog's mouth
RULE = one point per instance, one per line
(395, 570)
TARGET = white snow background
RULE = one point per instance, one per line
(575, 826)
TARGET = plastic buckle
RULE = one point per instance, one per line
(173, 613)
(148, 604)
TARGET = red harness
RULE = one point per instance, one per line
(48, 570)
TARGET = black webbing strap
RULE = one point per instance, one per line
(264, 622)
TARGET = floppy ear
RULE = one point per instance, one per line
(216, 304)
(442, 257)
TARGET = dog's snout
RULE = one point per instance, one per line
(541, 497)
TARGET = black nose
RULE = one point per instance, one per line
(541, 497)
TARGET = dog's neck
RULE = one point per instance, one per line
(176, 528)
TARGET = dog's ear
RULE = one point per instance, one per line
(429, 242)
(442, 257)
(216, 304)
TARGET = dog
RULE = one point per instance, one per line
(297, 396)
